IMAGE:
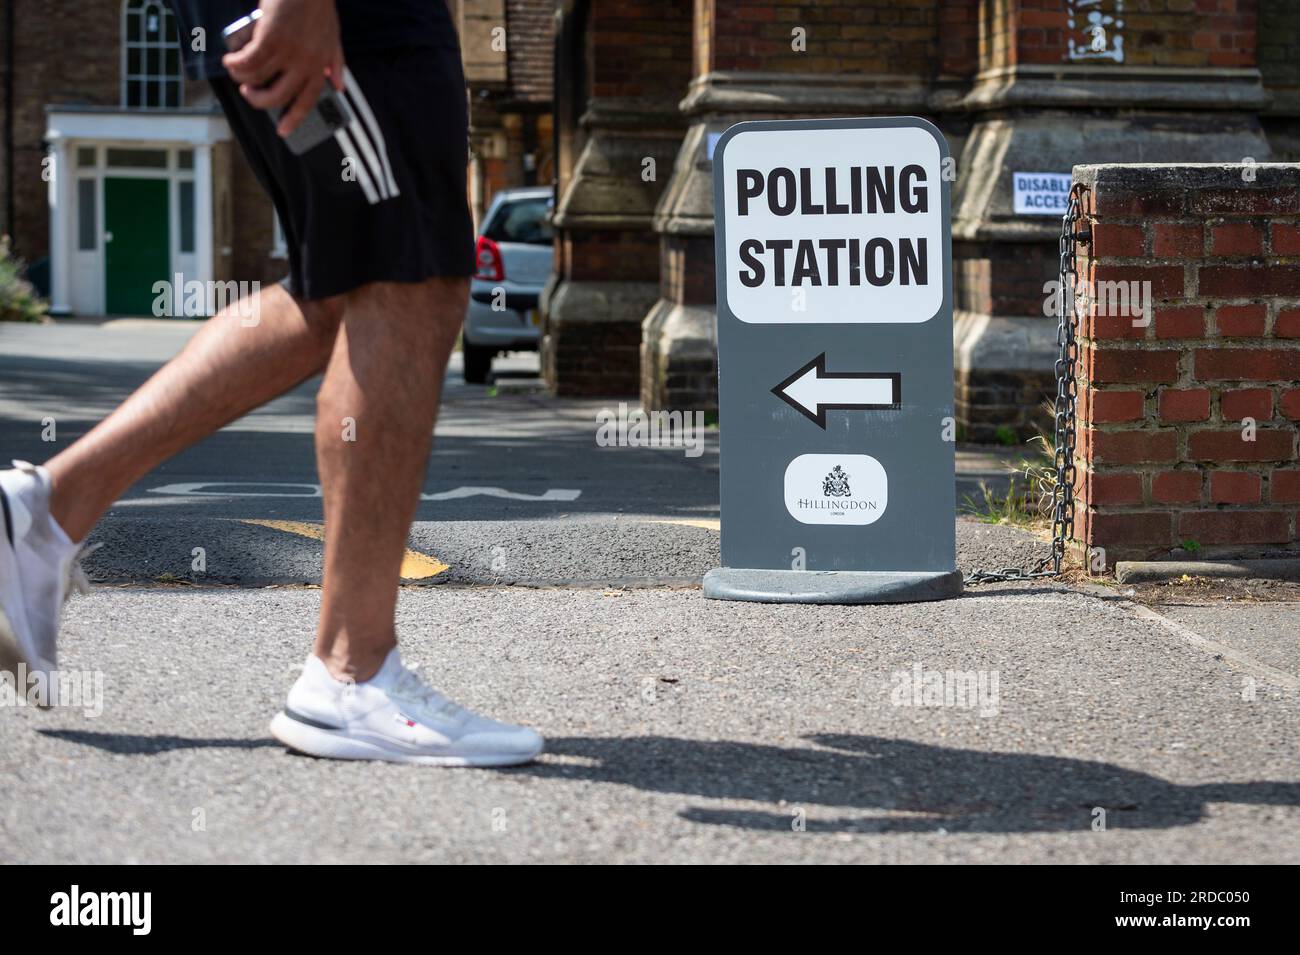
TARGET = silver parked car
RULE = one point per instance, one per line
(513, 263)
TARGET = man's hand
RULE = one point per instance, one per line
(295, 48)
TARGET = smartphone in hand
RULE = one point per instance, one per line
(330, 113)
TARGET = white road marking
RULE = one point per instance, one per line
(222, 489)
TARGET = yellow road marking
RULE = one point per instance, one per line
(415, 566)
(709, 524)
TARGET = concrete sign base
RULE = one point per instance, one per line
(830, 587)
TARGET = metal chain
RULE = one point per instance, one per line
(1065, 409)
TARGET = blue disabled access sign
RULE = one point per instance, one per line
(835, 376)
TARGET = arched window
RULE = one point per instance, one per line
(151, 56)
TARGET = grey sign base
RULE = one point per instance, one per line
(831, 586)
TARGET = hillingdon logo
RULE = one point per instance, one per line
(836, 484)
(860, 502)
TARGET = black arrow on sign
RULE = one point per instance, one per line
(812, 391)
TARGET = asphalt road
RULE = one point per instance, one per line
(517, 444)
(680, 729)
(517, 488)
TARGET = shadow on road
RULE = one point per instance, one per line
(951, 790)
(129, 744)
(944, 789)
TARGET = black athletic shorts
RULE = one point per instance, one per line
(385, 199)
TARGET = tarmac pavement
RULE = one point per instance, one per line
(680, 730)
(1059, 721)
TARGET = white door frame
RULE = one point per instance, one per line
(173, 131)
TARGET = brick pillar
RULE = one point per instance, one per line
(1188, 421)
(1179, 84)
(636, 61)
(776, 59)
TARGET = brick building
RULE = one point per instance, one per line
(116, 172)
(642, 90)
(1017, 86)
(507, 49)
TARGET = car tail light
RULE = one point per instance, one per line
(488, 263)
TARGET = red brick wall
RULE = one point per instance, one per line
(686, 271)
(1188, 422)
(1187, 33)
(863, 36)
(45, 72)
(958, 28)
(639, 47)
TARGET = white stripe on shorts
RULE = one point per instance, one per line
(358, 165)
(365, 125)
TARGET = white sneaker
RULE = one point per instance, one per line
(393, 716)
(39, 568)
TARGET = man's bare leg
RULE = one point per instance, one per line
(226, 370)
(374, 426)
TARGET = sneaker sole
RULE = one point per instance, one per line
(331, 744)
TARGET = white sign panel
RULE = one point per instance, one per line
(1040, 193)
(833, 226)
(836, 489)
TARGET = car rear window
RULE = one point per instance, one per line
(522, 220)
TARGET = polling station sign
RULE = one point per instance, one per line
(834, 290)
(844, 216)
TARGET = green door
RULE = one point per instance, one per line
(139, 252)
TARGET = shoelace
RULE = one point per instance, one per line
(409, 686)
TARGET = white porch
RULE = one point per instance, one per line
(90, 147)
